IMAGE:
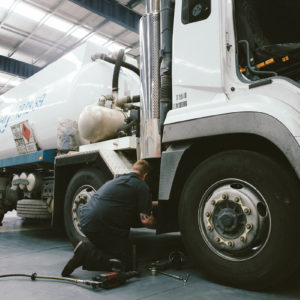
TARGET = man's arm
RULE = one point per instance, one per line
(148, 221)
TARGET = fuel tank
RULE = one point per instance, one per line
(61, 91)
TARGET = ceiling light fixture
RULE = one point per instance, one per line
(29, 12)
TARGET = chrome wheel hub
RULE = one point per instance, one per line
(82, 196)
(234, 219)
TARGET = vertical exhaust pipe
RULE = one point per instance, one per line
(150, 140)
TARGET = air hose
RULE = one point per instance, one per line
(113, 61)
(106, 281)
(34, 276)
(115, 80)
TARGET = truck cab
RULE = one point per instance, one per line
(230, 137)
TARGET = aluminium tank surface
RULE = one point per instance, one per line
(59, 91)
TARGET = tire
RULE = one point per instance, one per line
(33, 209)
(80, 189)
(238, 218)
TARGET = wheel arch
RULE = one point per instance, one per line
(196, 151)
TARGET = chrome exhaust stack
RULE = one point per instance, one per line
(150, 139)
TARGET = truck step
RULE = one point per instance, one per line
(33, 209)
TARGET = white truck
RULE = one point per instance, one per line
(218, 119)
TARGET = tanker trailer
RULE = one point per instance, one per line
(39, 121)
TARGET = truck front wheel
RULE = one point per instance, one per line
(238, 218)
(80, 189)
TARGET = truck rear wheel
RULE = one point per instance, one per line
(238, 218)
(80, 189)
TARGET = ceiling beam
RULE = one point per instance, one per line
(16, 67)
(113, 11)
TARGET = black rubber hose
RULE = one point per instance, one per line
(113, 61)
(115, 80)
(166, 31)
(252, 69)
(126, 126)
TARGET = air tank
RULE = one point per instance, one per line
(97, 123)
(61, 91)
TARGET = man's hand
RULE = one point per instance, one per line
(148, 221)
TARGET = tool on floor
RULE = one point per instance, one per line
(175, 261)
(106, 281)
(154, 271)
(114, 279)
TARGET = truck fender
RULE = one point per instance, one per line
(255, 123)
(169, 164)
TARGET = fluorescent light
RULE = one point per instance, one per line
(97, 39)
(114, 47)
(29, 11)
(80, 33)
(59, 24)
(9, 81)
(3, 81)
(15, 81)
(6, 3)
(4, 51)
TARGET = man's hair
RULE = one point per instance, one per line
(141, 167)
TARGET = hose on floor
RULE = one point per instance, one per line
(34, 276)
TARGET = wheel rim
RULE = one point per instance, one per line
(234, 219)
(82, 196)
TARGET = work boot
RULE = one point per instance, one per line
(75, 261)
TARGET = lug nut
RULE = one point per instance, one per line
(213, 202)
(249, 226)
(230, 244)
(207, 214)
(83, 197)
(209, 228)
(242, 238)
(237, 199)
(218, 239)
(247, 211)
(224, 196)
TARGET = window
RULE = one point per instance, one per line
(195, 10)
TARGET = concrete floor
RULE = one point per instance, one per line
(27, 247)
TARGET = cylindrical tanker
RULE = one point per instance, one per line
(60, 91)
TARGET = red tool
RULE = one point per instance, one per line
(114, 279)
